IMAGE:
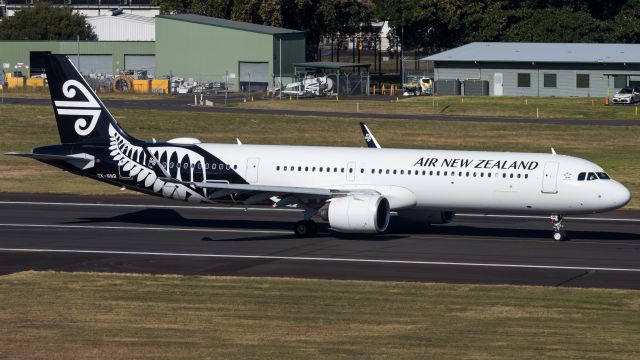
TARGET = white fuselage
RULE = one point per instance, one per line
(434, 179)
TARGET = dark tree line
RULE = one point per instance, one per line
(430, 25)
(45, 22)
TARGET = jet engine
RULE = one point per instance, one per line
(358, 213)
(429, 217)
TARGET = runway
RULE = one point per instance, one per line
(146, 235)
(185, 103)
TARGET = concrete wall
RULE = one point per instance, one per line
(13, 52)
(599, 85)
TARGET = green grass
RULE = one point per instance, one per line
(616, 148)
(518, 107)
(87, 315)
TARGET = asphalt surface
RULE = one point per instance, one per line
(142, 234)
(185, 103)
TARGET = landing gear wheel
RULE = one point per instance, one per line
(558, 228)
(559, 236)
(305, 228)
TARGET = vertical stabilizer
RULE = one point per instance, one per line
(80, 114)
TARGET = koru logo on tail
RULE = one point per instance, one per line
(81, 109)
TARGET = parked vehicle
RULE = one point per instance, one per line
(627, 95)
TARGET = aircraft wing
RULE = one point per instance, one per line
(286, 195)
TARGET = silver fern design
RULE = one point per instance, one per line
(133, 160)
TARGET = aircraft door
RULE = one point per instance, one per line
(252, 170)
(351, 171)
(550, 178)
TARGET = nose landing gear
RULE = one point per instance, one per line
(558, 228)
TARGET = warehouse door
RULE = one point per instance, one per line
(93, 64)
(254, 76)
(140, 62)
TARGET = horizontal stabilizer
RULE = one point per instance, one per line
(81, 161)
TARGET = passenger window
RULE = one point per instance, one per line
(511, 176)
(228, 166)
(379, 171)
(603, 176)
(445, 173)
(481, 174)
(285, 168)
(306, 168)
(373, 171)
(431, 173)
(401, 172)
(394, 172)
(518, 176)
(320, 169)
(313, 169)
(235, 167)
(526, 176)
(459, 173)
(488, 174)
(424, 172)
(438, 173)
(350, 170)
(361, 171)
(341, 170)
(581, 176)
(335, 169)
(387, 171)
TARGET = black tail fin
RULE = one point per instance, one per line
(80, 114)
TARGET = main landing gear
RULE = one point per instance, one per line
(558, 229)
(305, 229)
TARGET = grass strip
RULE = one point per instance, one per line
(513, 107)
(90, 315)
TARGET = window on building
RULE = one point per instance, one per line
(524, 80)
(550, 80)
(582, 81)
(619, 81)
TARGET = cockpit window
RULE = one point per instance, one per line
(592, 176)
(581, 176)
(603, 176)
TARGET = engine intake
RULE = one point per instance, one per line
(359, 213)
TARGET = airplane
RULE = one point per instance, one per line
(354, 189)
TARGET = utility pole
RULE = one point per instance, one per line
(402, 50)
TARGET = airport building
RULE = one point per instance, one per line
(208, 49)
(537, 69)
(198, 49)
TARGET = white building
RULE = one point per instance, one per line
(123, 27)
(88, 7)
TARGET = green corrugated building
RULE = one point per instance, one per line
(205, 49)
(105, 57)
(202, 48)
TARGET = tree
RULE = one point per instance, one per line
(46, 22)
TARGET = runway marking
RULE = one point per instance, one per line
(107, 227)
(322, 259)
(240, 208)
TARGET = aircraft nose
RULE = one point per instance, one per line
(621, 195)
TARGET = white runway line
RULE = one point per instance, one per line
(106, 227)
(321, 259)
(240, 208)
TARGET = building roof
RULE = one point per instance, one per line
(122, 17)
(541, 52)
(238, 25)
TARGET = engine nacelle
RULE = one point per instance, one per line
(358, 213)
(429, 217)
